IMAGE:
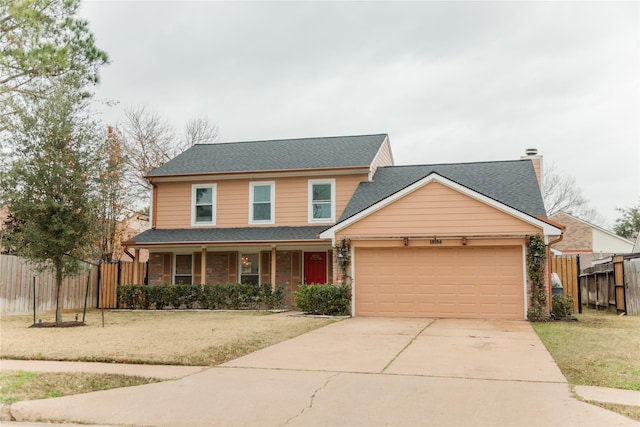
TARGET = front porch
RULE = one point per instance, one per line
(287, 256)
(288, 266)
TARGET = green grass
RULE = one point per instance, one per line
(601, 349)
(24, 385)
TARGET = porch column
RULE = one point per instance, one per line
(273, 268)
(203, 266)
(136, 266)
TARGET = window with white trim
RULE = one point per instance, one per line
(262, 202)
(183, 269)
(203, 204)
(322, 200)
(249, 269)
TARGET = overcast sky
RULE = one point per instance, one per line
(448, 81)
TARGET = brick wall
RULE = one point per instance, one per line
(155, 269)
(217, 268)
(578, 236)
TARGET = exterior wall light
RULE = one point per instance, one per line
(536, 258)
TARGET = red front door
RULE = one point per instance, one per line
(315, 267)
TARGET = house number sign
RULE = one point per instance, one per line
(435, 241)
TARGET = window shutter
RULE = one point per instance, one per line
(265, 267)
(197, 263)
(166, 268)
(233, 267)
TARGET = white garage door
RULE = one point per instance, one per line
(460, 282)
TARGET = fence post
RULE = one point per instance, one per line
(34, 299)
(578, 272)
(618, 272)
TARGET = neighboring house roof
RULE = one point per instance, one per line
(614, 242)
(274, 155)
(636, 246)
(512, 183)
(221, 235)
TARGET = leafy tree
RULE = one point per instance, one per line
(628, 225)
(40, 41)
(562, 194)
(50, 184)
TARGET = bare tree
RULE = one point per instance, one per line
(199, 131)
(149, 142)
(114, 200)
(562, 194)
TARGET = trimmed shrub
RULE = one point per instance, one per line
(129, 296)
(229, 296)
(212, 297)
(270, 298)
(324, 299)
(562, 306)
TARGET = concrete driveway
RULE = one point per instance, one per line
(358, 372)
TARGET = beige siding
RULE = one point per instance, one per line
(172, 205)
(383, 158)
(174, 200)
(436, 209)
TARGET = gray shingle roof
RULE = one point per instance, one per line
(211, 235)
(512, 183)
(284, 154)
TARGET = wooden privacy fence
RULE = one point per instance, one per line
(16, 287)
(613, 284)
(117, 273)
(568, 269)
(632, 285)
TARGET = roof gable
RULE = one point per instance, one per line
(547, 228)
(512, 183)
(275, 155)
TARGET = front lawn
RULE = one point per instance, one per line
(600, 349)
(204, 338)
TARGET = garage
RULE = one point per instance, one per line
(454, 282)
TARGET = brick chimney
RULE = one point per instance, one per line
(532, 154)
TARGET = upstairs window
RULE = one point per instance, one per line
(203, 204)
(262, 202)
(322, 200)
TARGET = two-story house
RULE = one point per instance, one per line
(427, 240)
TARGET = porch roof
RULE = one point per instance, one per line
(187, 236)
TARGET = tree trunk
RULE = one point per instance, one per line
(59, 293)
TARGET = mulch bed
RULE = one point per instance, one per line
(71, 324)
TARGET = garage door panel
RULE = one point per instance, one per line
(484, 282)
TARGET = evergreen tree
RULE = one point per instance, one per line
(50, 184)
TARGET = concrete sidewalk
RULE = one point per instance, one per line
(358, 372)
